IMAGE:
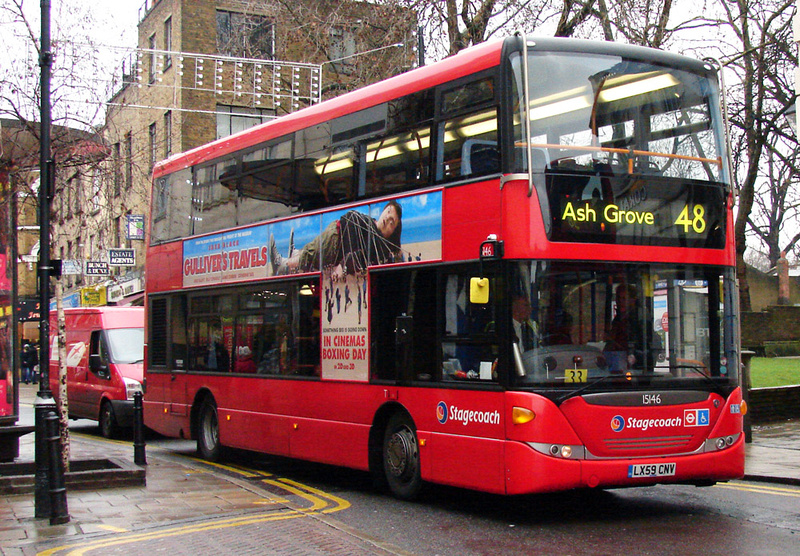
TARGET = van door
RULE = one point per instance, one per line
(77, 373)
(98, 380)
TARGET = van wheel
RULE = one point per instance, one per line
(401, 457)
(208, 431)
(108, 421)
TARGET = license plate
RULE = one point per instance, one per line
(651, 470)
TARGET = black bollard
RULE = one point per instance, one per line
(58, 492)
(747, 356)
(43, 405)
(139, 456)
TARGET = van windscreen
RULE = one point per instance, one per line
(126, 345)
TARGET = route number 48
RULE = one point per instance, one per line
(696, 221)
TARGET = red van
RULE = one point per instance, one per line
(105, 352)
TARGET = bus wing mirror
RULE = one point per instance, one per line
(479, 290)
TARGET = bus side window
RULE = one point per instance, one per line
(214, 196)
(396, 163)
(468, 146)
(470, 348)
(403, 294)
(324, 173)
(177, 333)
(266, 187)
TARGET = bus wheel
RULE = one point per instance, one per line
(108, 421)
(208, 432)
(401, 457)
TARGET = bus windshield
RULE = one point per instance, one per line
(572, 323)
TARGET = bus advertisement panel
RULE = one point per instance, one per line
(521, 256)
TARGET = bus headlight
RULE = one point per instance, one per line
(565, 451)
(721, 442)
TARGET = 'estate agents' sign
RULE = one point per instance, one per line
(121, 257)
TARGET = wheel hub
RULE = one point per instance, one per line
(399, 451)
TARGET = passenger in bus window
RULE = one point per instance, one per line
(218, 358)
(348, 245)
(623, 341)
(244, 360)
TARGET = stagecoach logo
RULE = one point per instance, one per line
(441, 412)
(466, 416)
(691, 418)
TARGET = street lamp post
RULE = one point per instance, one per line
(46, 474)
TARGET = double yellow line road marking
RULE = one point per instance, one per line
(319, 502)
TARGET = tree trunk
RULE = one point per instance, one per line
(63, 402)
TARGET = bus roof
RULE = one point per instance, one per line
(483, 56)
(466, 62)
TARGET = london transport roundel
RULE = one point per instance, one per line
(441, 412)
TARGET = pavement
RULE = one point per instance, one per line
(191, 507)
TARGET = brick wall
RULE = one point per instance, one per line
(779, 323)
(774, 404)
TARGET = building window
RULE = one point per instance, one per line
(96, 188)
(152, 134)
(245, 35)
(232, 119)
(117, 169)
(76, 194)
(68, 195)
(341, 48)
(167, 42)
(128, 160)
(167, 134)
(151, 45)
(118, 232)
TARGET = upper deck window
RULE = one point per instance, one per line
(593, 112)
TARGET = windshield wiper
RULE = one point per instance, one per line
(585, 387)
(696, 368)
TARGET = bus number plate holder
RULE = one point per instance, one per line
(651, 470)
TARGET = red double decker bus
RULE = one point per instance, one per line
(510, 271)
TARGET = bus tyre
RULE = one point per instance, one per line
(208, 432)
(108, 421)
(401, 457)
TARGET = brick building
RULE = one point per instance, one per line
(205, 69)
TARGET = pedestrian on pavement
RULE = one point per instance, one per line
(28, 360)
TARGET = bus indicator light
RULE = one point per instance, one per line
(522, 415)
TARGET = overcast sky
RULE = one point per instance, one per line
(109, 25)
